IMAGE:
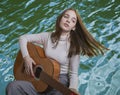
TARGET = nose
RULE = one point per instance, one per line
(68, 21)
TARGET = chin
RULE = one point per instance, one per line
(66, 30)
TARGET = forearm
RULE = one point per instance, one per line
(74, 66)
(74, 82)
(23, 46)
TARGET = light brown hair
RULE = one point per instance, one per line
(81, 41)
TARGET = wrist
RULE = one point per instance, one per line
(26, 57)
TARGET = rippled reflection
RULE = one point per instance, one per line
(98, 75)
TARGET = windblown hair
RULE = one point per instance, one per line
(81, 41)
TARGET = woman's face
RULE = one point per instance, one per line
(68, 21)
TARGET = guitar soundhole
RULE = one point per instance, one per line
(37, 72)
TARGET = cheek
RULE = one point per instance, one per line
(72, 25)
(61, 22)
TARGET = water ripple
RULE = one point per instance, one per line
(98, 75)
(29, 3)
(2, 37)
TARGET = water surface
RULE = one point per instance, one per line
(98, 75)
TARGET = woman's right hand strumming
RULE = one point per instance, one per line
(29, 63)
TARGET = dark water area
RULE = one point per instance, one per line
(98, 75)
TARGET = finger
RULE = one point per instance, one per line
(32, 74)
(33, 62)
(31, 71)
(27, 71)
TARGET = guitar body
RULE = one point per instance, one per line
(51, 67)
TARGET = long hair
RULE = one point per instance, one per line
(81, 41)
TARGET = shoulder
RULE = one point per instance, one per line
(46, 34)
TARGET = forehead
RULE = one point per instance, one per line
(71, 13)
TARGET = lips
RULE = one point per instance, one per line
(66, 25)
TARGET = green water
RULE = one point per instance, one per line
(98, 75)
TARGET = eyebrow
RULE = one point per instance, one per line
(72, 17)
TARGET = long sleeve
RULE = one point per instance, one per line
(34, 38)
(74, 65)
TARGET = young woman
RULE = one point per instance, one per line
(65, 45)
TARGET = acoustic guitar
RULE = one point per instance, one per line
(46, 71)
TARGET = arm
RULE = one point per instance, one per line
(35, 38)
(74, 66)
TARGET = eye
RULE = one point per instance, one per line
(65, 16)
(73, 20)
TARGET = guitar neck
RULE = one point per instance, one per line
(53, 83)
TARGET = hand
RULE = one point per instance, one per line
(29, 62)
(75, 91)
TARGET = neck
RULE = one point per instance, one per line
(65, 33)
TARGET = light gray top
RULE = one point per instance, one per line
(67, 65)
